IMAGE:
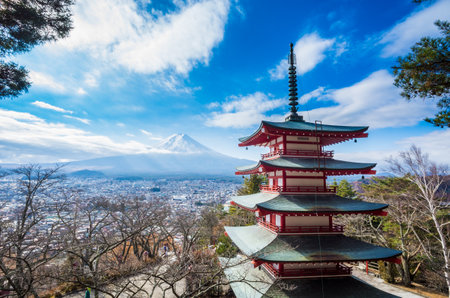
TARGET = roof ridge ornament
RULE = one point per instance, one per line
(293, 88)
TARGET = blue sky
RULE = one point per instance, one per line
(134, 72)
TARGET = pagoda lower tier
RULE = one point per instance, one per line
(247, 281)
(305, 256)
(263, 246)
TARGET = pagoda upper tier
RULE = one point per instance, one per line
(270, 132)
(299, 164)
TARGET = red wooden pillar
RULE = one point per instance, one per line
(367, 267)
(284, 179)
(283, 222)
(281, 270)
(330, 222)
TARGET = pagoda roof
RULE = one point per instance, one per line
(247, 281)
(299, 163)
(305, 126)
(307, 203)
(259, 243)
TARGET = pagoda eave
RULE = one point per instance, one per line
(290, 204)
(261, 169)
(266, 133)
(261, 244)
(263, 211)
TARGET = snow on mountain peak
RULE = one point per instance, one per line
(182, 143)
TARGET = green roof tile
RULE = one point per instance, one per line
(309, 163)
(307, 126)
(260, 243)
(305, 203)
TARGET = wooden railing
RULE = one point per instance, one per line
(302, 153)
(300, 229)
(338, 270)
(312, 189)
(268, 225)
(314, 229)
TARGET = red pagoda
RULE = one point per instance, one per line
(295, 238)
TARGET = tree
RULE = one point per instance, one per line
(25, 24)
(251, 185)
(344, 189)
(27, 243)
(397, 230)
(99, 236)
(425, 73)
(432, 200)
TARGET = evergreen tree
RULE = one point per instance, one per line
(425, 73)
(251, 185)
(25, 24)
(345, 189)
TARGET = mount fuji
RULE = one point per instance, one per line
(182, 143)
(178, 154)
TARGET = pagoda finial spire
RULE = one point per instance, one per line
(293, 88)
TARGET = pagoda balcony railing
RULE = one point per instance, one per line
(268, 225)
(303, 153)
(307, 272)
(308, 189)
(300, 229)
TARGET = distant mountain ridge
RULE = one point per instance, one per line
(178, 154)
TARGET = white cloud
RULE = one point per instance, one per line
(309, 50)
(81, 91)
(147, 133)
(29, 138)
(146, 43)
(374, 101)
(43, 80)
(150, 135)
(402, 36)
(435, 144)
(120, 124)
(91, 79)
(83, 120)
(318, 93)
(48, 106)
(244, 111)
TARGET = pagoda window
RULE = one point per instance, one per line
(279, 173)
(270, 182)
(315, 221)
(280, 146)
(280, 181)
(278, 220)
(268, 218)
(280, 139)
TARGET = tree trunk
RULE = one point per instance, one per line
(406, 274)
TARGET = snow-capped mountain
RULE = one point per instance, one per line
(182, 143)
(178, 154)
